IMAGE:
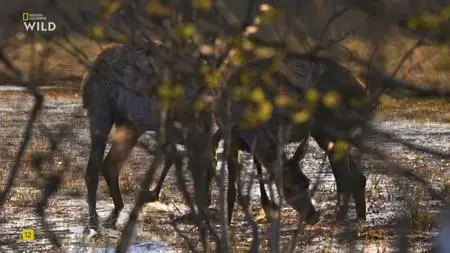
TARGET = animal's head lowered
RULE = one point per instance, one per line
(296, 193)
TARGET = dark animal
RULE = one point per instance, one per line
(298, 73)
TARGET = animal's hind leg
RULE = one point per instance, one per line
(351, 183)
(233, 173)
(349, 180)
(98, 144)
(100, 125)
(359, 189)
(123, 142)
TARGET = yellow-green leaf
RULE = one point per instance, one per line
(114, 6)
(187, 31)
(312, 96)
(265, 111)
(164, 90)
(247, 77)
(239, 93)
(213, 79)
(247, 45)
(431, 20)
(283, 100)
(445, 13)
(264, 52)
(331, 99)
(267, 78)
(340, 148)
(202, 4)
(200, 104)
(301, 116)
(178, 91)
(413, 23)
(155, 8)
(257, 95)
(98, 31)
(237, 58)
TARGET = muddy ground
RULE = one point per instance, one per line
(395, 205)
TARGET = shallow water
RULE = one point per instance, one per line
(68, 214)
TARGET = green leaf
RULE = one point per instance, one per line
(187, 31)
(204, 5)
(98, 31)
(155, 8)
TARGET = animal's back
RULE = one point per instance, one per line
(352, 108)
(121, 78)
(298, 73)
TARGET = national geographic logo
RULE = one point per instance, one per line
(37, 22)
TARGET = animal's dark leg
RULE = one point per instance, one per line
(349, 179)
(340, 174)
(201, 165)
(153, 195)
(299, 152)
(266, 204)
(100, 124)
(233, 173)
(350, 182)
(342, 186)
(358, 189)
(98, 144)
(123, 142)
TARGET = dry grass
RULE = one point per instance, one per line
(420, 110)
(428, 65)
(61, 68)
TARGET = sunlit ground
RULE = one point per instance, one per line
(388, 198)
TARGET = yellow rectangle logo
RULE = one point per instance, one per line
(25, 16)
(28, 235)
